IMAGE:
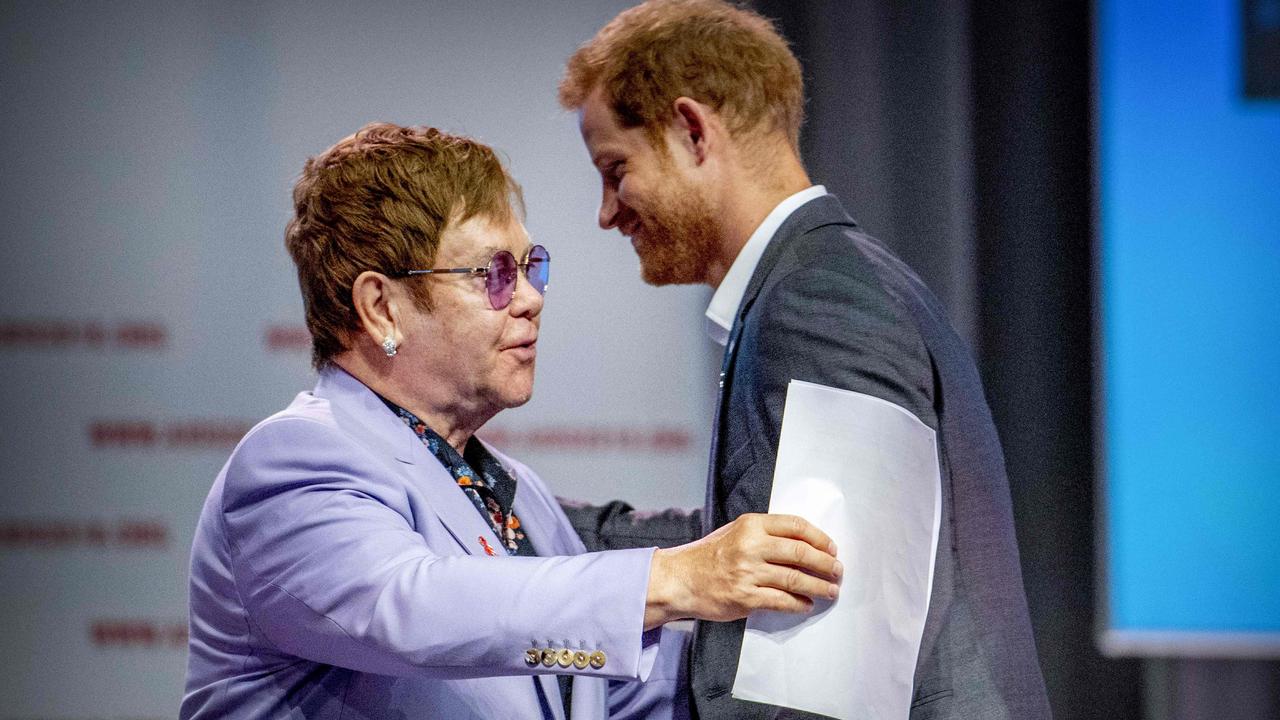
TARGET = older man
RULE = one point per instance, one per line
(691, 112)
(363, 555)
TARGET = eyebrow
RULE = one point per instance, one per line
(482, 256)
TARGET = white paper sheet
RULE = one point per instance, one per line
(866, 472)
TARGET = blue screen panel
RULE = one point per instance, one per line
(1189, 267)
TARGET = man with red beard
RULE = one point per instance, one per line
(691, 113)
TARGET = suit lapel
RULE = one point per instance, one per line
(359, 411)
(713, 470)
(823, 210)
(818, 212)
(539, 527)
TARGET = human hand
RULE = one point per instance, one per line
(756, 562)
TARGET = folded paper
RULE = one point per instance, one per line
(866, 472)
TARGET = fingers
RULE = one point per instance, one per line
(796, 583)
(781, 601)
(802, 555)
(795, 557)
(756, 562)
(796, 527)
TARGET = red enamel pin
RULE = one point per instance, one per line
(485, 544)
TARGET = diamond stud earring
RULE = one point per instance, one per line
(389, 346)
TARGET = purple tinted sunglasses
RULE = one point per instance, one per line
(501, 273)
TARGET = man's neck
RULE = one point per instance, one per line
(454, 421)
(743, 210)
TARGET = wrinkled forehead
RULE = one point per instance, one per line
(475, 241)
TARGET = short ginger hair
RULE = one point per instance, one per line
(729, 58)
(379, 200)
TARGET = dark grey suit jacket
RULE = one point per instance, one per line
(830, 305)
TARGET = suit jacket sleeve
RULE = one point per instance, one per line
(832, 324)
(617, 525)
(836, 326)
(330, 568)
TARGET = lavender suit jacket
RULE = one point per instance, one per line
(337, 571)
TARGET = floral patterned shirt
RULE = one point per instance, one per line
(481, 477)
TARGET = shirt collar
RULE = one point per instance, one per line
(727, 298)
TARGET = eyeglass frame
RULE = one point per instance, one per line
(522, 268)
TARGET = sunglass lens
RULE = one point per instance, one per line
(539, 268)
(501, 281)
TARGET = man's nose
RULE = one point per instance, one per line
(608, 217)
(525, 300)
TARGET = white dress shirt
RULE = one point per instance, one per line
(725, 302)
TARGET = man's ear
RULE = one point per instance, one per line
(697, 128)
(375, 305)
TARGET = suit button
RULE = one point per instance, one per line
(566, 658)
(548, 657)
(532, 656)
(581, 659)
(598, 659)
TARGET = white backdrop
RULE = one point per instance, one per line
(150, 313)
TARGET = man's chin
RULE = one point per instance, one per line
(516, 399)
(660, 278)
(667, 273)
